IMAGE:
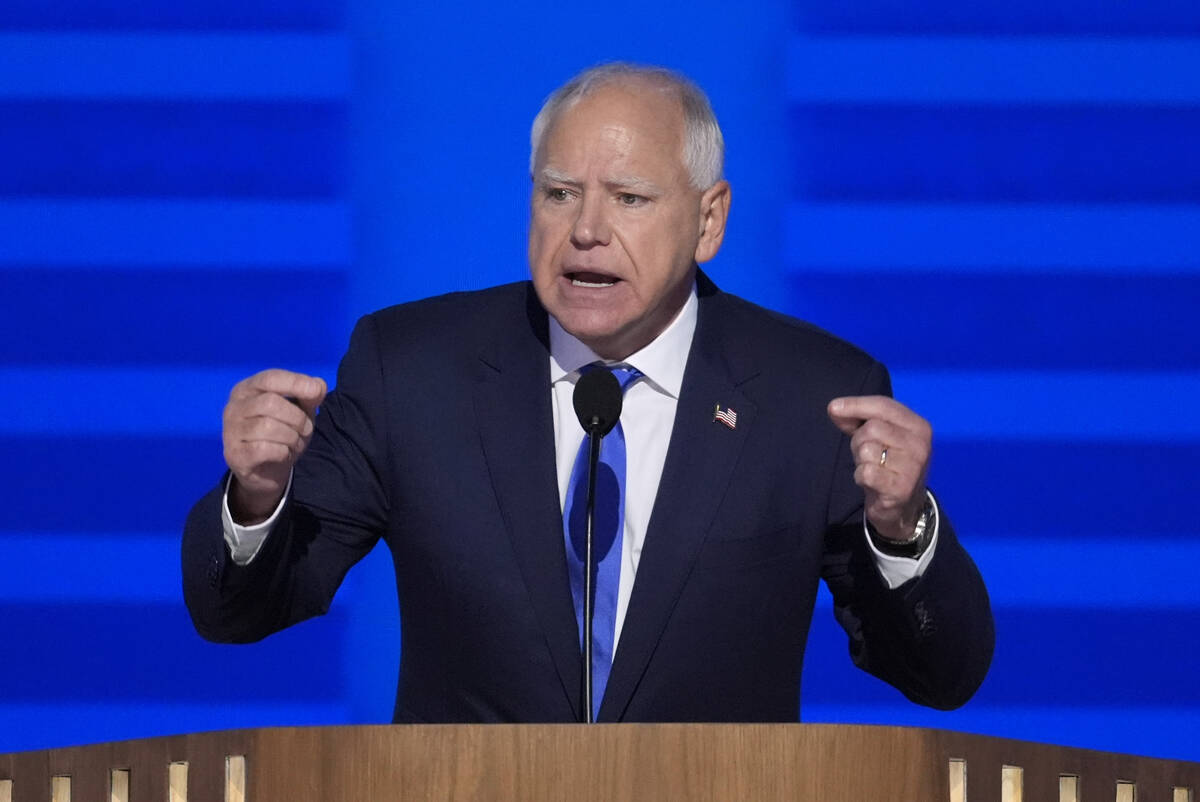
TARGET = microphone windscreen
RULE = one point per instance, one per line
(597, 401)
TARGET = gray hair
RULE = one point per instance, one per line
(703, 145)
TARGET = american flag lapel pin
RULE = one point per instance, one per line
(726, 416)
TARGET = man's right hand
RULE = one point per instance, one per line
(266, 426)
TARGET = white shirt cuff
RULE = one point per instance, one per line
(245, 541)
(898, 570)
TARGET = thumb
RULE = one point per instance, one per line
(309, 393)
(847, 423)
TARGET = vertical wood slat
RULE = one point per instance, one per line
(5, 790)
(235, 778)
(1012, 784)
(118, 785)
(958, 780)
(60, 789)
(177, 782)
(1068, 788)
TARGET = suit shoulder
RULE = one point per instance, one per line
(781, 337)
(455, 308)
(456, 320)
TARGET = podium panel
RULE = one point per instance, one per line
(826, 762)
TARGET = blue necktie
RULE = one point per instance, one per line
(607, 527)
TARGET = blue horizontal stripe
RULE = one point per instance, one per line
(44, 568)
(1017, 321)
(990, 238)
(149, 652)
(940, 153)
(168, 65)
(1082, 658)
(856, 69)
(51, 725)
(998, 17)
(189, 234)
(97, 484)
(172, 149)
(1028, 405)
(193, 15)
(1163, 732)
(1123, 569)
(170, 318)
(178, 402)
(96, 567)
(1066, 489)
(1057, 488)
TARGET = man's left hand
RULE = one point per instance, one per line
(891, 446)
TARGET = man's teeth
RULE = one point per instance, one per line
(578, 282)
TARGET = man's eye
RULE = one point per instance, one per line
(629, 199)
(558, 194)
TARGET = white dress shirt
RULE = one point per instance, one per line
(647, 418)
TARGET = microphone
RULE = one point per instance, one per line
(597, 401)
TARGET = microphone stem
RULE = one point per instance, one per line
(588, 569)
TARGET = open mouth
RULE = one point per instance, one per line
(594, 280)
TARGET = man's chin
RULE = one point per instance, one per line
(602, 334)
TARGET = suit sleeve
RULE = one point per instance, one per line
(335, 514)
(932, 637)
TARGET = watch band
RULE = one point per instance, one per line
(913, 547)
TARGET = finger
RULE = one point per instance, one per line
(866, 407)
(884, 489)
(308, 390)
(872, 452)
(269, 430)
(240, 416)
(848, 424)
(272, 405)
(247, 458)
(903, 448)
(313, 399)
(882, 434)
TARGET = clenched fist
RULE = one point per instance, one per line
(891, 446)
(266, 426)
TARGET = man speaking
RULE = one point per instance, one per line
(754, 455)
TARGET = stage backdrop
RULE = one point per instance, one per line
(1000, 199)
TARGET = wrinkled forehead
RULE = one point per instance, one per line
(637, 116)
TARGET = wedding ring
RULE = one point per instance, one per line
(883, 457)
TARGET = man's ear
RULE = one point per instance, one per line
(714, 211)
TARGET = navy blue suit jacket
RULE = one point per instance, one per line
(439, 439)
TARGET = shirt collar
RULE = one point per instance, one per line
(662, 361)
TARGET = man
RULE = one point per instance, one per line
(762, 456)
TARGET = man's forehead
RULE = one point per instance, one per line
(629, 126)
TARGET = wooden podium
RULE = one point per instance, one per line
(828, 763)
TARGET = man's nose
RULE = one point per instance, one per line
(591, 226)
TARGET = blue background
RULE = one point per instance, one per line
(1000, 199)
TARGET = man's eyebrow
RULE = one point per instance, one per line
(549, 175)
(632, 182)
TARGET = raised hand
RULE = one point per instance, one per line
(891, 445)
(266, 426)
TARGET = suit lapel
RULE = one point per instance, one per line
(516, 429)
(700, 462)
